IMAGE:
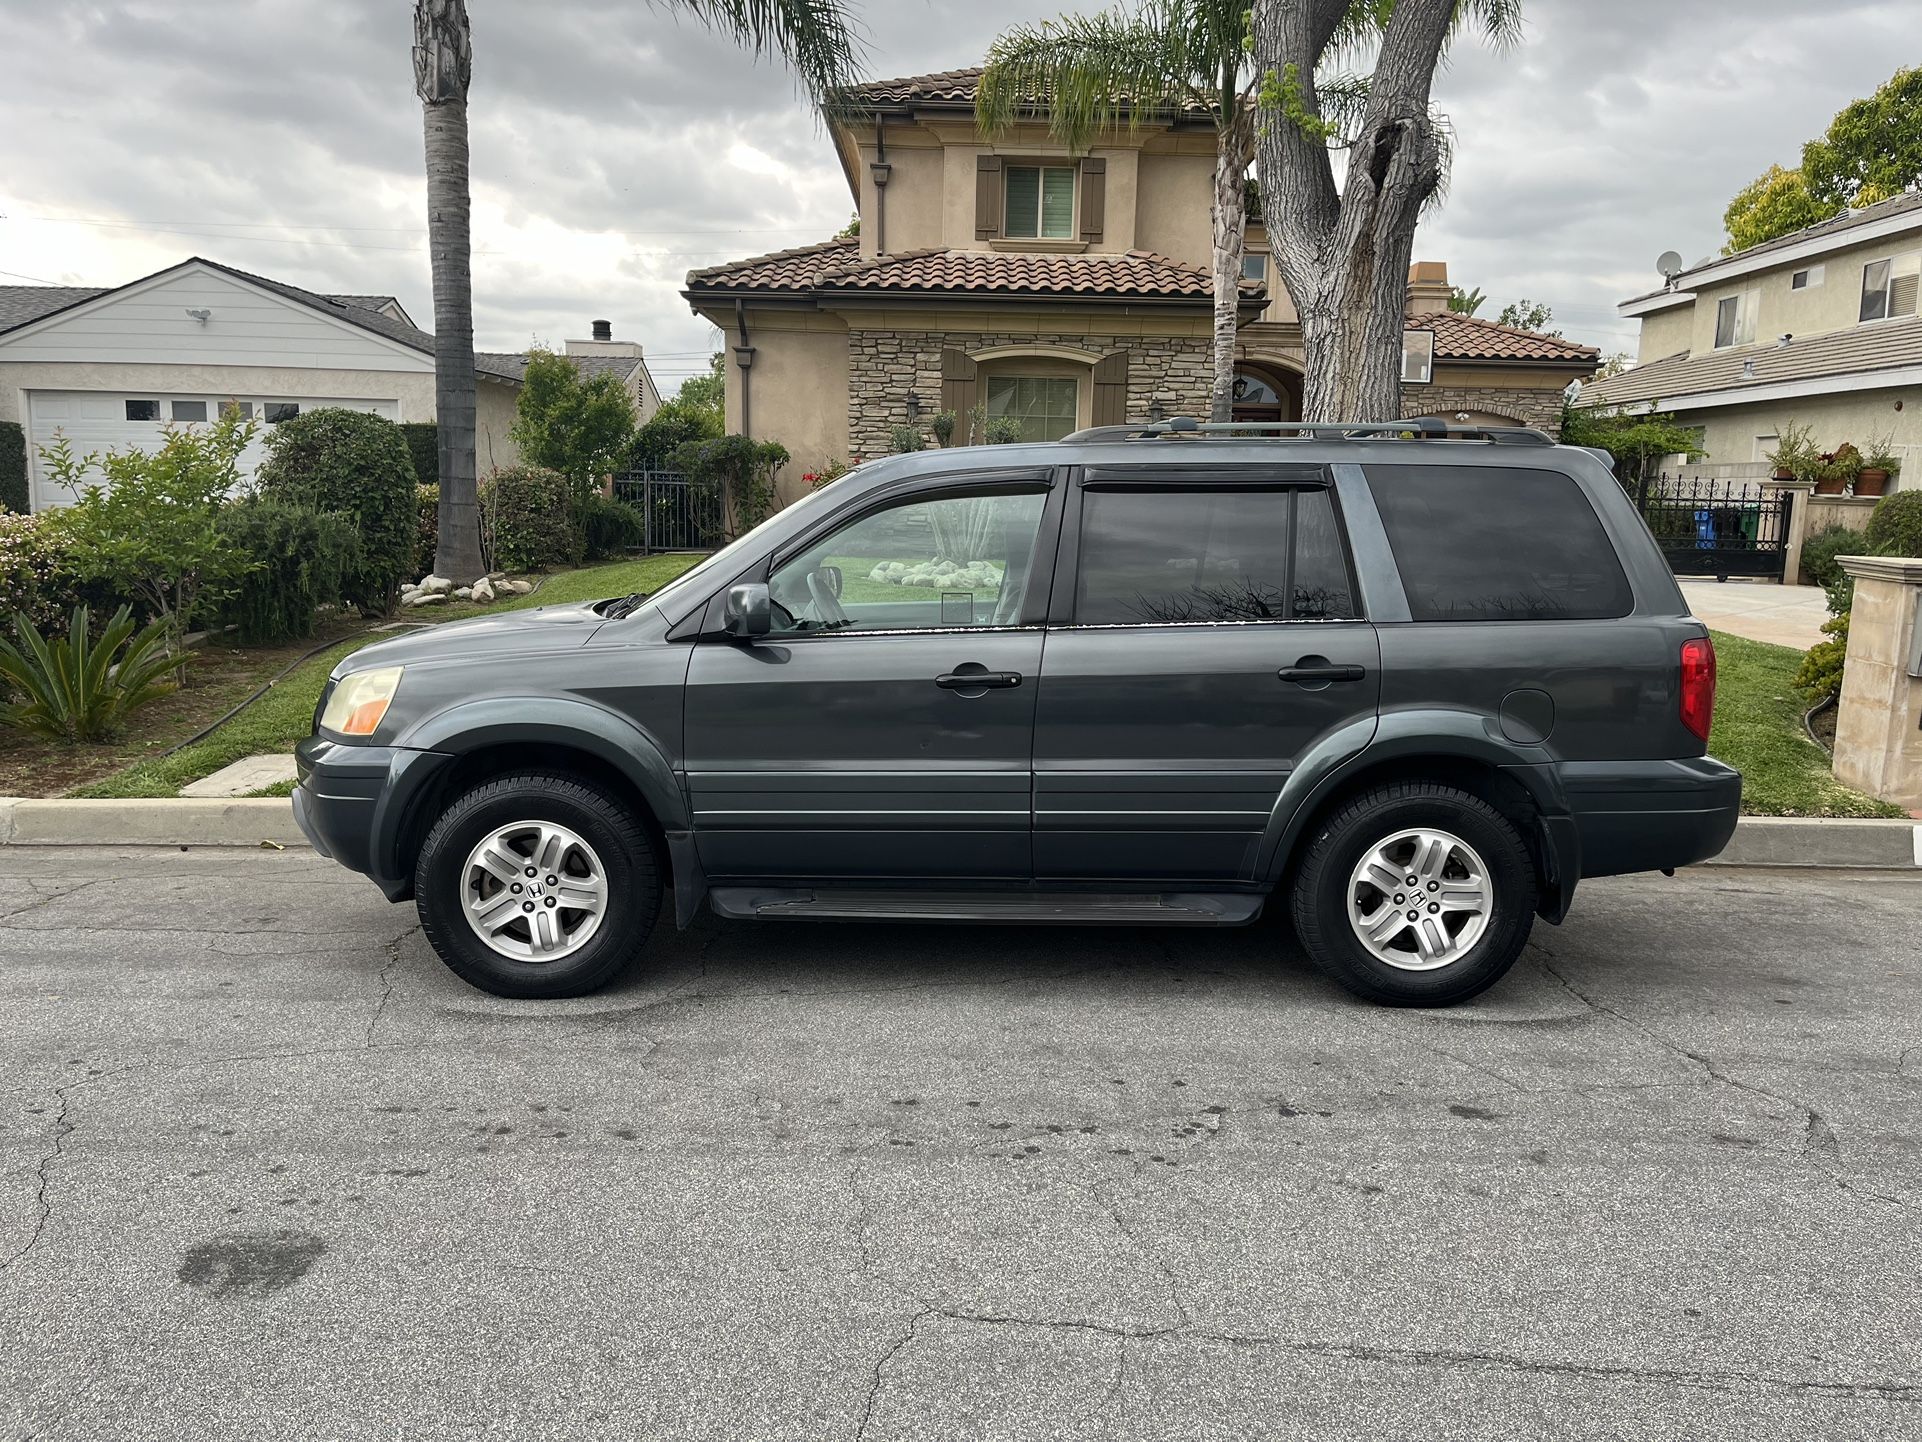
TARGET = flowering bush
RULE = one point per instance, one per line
(827, 475)
(36, 571)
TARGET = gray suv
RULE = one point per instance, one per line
(1416, 680)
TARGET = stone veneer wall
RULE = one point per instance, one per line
(885, 365)
(1538, 407)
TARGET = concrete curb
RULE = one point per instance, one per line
(1823, 841)
(223, 821)
(1758, 840)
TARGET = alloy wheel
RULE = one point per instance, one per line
(1420, 899)
(534, 891)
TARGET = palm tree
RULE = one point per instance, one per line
(815, 38)
(1122, 67)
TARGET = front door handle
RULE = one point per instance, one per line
(1313, 671)
(977, 679)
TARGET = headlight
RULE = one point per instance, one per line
(360, 700)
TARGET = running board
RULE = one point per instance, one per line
(1063, 908)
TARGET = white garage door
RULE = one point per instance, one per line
(120, 420)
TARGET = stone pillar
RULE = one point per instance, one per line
(1797, 493)
(1878, 746)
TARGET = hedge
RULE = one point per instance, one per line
(347, 461)
(423, 444)
(530, 520)
(13, 467)
(301, 557)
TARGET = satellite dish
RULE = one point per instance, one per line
(1669, 264)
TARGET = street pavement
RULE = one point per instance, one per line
(267, 1170)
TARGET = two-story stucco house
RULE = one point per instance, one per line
(1818, 328)
(1064, 289)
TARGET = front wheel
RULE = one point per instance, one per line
(537, 885)
(1415, 895)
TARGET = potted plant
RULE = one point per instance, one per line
(1838, 470)
(1877, 466)
(1794, 456)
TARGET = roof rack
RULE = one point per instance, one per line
(1424, 428)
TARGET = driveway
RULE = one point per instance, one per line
(268, 1170)
(1760, 610)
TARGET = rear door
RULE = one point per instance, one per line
(1203, 635)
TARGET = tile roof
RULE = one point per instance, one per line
(836, 267)
(1885, 345)
(22, 304)
(944, 89)
(514, 364)
(1463, 337)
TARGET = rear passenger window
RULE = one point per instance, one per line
(1490, 543)
(1190, 555)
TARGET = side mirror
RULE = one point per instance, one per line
(749, 611)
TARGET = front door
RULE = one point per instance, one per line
(883, 730)
(1204, 638)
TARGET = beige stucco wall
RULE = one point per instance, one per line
(1665, 333)
(412, 391)
(798, 391)
(1833, 305)
(1729, 433)
(1175, 208)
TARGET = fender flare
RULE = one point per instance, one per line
(1442, 734)
(563, 721)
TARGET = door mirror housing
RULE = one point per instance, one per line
(749, 611)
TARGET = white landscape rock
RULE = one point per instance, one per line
(462, 593)
(483, 591)
(436, 585)
(519, 588)
(425, 598)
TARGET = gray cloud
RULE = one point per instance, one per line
(283, 136)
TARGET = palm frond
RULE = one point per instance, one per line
(1090, 73)
(1499, 21)
(819, 40)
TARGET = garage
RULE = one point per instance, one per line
(120, 420)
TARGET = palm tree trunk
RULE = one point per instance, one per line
(1231, 239)
(442, 62)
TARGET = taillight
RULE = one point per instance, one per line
(1698, 685)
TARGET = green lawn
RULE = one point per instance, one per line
(285, 714)
(1758, 730)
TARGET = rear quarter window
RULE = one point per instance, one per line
(1495, 543)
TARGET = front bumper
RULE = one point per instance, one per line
(1651, 815)
(353, 803)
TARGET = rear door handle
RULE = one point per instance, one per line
(982, 680)
(1320, 675)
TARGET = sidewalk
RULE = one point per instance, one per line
(1759, 610)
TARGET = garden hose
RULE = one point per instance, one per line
(274, 680)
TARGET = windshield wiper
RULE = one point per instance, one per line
(626, 606)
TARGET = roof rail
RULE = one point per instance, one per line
(1421, 428)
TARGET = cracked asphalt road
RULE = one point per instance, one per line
(268, 1170)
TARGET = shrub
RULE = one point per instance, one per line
(1895, 525)
(78, 687)
(36, 571)
(298, 561)
(608, 527)
(1820, 676)
(1820, 550)
(674, 425)
(13, 467)
(423, 444)
(1002, 431)
(357, 464)
(529, 519)
(943, 427)
(906, 439)
(150, 534)
(579, 426)
(426, 529)
(742, 471)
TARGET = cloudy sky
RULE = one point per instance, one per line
(614, 149)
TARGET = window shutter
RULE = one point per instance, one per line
(987, 196)
(1111, 390)
(958, 386)
(1094, 198)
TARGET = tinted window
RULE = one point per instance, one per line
(143, 410)
(1162, 557)
(918, 565)
(190, 410)
(278, 411)
(1489, 544)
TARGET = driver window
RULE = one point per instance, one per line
(925, 563)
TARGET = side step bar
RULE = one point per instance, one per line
(1027, 907)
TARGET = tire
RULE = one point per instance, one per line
(593, 851)
(1451, 936)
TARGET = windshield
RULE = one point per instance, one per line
(694, 582)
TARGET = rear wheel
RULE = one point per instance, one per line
(537, 885)
(1415, 895)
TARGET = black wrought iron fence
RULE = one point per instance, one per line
(676, 515)
(1709, 526)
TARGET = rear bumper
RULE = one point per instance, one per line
(1650, 815)
(352, 804)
